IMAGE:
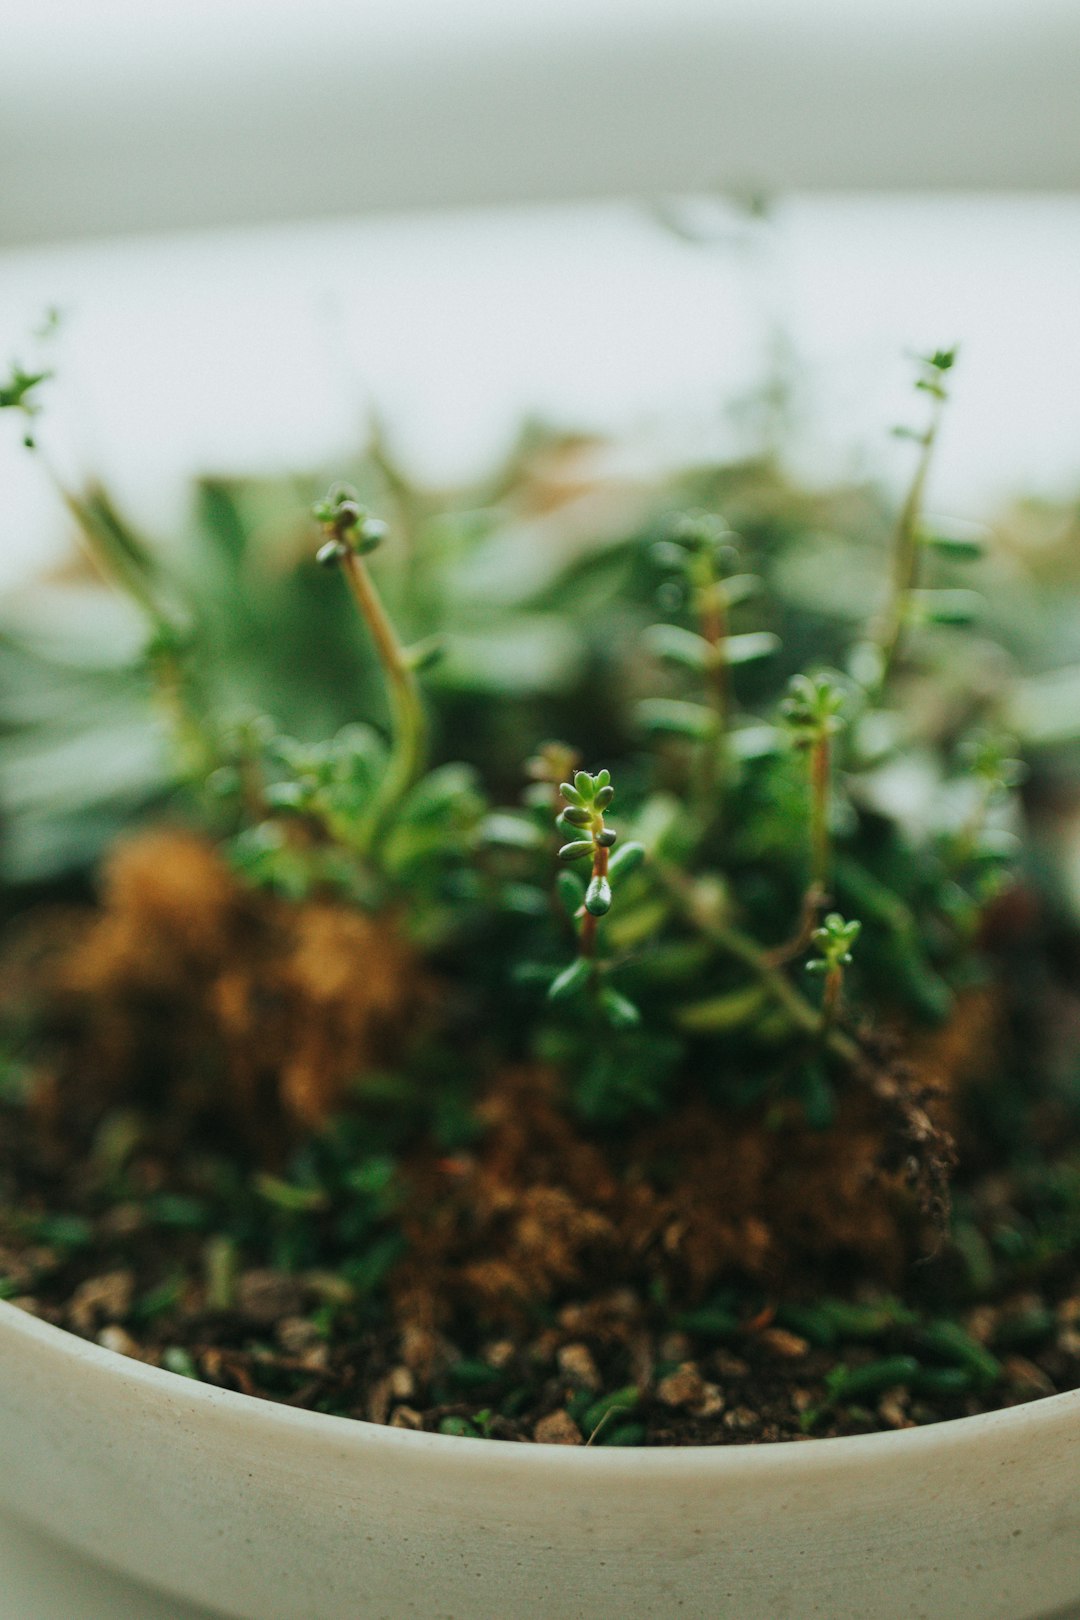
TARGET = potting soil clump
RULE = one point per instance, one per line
(694, 1281)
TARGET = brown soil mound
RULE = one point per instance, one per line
(539, 1212)
(193, 997)
(192, 993)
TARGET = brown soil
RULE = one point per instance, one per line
(603, 1364)
(546, 1272)
(196, 995)
(540, 1210)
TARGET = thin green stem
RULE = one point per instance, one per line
(830, 1000)
(817, 891)
(971, 831)
(746, 950)
(408, 724)
(587, 938)
(124, 561)
(712, 617)
(410, 510)
(820, 802)
(196, 745)
(906, 551)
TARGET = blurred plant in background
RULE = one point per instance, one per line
(587, 874)
(791, 734)
(540, 580)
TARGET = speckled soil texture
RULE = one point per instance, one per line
(184, 1178)
(147, 1277)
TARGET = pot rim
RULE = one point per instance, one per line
(251, 1411)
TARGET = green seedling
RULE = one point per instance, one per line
(812, 713)
(352, 535)
(833, 942)
(582, 816)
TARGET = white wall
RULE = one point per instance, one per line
(263, 348)
(121, 115)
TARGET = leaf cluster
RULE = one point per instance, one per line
(749, 740)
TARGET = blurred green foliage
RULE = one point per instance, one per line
(788, 704)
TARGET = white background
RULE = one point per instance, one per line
(264, 348)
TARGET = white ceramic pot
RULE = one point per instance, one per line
(260, 1511)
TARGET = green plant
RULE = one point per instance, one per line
(587, 798)
(483, 1060)
(833, 941)
(741, 814)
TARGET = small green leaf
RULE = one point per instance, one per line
(738, 587)
(575, 816)
(531, 973)
(511, 832)
(225, 783)
(945, 607)
(619, 1011)
(813, 706)
(179, 1360)
(701, 531)
(285, 1195)
(997, 844)
(571, 981)
(679, 719)
(719, 1014)
(626, 860)
(849, 1383)
(523, 899)
(570, 887)
(678, 646)
(744, 649)
(598, 897)
(668, 554)
(942, 1381)
(330, 553)
(63, 1231)
(15, 393)
(959, 541)
(619, 1400)
(176, 1210)
(288, 796)
(368, 535)
(442, 791)
(952, 1343)
(754, 742)
(627, 1434)
(711, 1321)
(456, 1425)
(368, 1270)
(575, 850)
(833, 941)
(426, 653)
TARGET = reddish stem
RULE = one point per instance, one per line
(587, 943)
(830, 1001)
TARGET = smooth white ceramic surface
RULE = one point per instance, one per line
(272, 1514)
(124, 116)
(41, 1579)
